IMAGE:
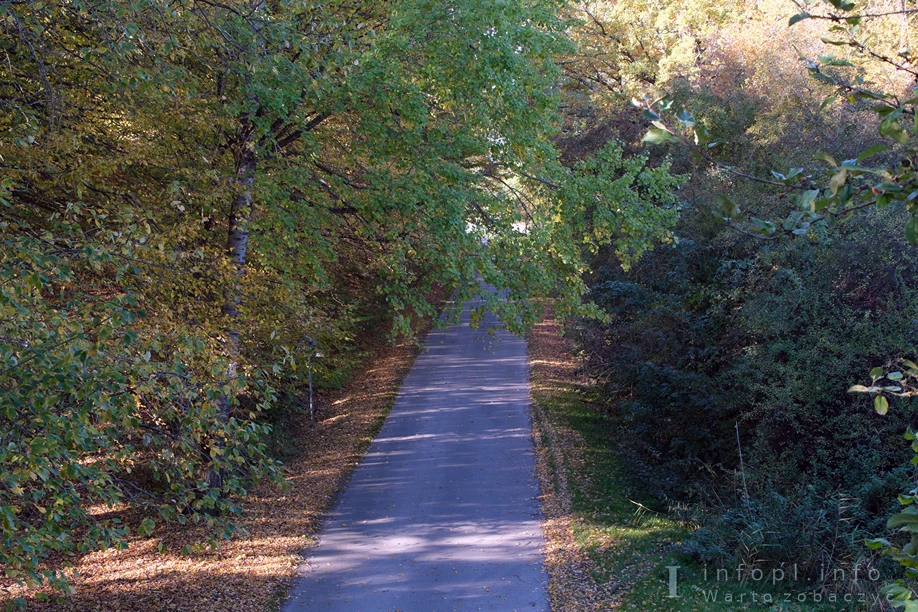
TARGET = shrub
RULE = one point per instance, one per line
(707, 341)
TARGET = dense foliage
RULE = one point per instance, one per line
(728, 357)
(714, 339)
(195, 196)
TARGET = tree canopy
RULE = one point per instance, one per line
(195, 194)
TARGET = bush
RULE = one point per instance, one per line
(705, 341)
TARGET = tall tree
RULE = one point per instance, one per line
(189, 189)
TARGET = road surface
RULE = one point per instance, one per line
(442, 514)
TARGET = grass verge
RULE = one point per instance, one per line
(607, 549)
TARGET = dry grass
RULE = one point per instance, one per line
(553, 371)
(604, 551)
(249, 572)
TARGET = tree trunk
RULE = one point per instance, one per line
(237, 241)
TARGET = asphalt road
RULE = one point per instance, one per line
(442, 514)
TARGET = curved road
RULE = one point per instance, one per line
(442, 514)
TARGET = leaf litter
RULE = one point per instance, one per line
(248, 572)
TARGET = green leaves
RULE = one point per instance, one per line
(838, 180)
(659, 136)
(826, 158)
(621, 201)
(900, 596)
(766, 228)
(871, 151)
(880, 404)
(908, 519)
(393, 162)
(877, 543)
(728, 209)
(890, 127)
(911, 230)
(844, 5)
(685, 118)
(146, 527)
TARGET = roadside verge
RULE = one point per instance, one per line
(599, 542)
(249, 572)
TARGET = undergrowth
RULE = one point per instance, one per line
(632, 540)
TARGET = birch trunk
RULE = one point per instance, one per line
(237, 241)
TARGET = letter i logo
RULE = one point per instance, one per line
(673, 581)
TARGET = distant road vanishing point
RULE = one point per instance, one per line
(443, 512)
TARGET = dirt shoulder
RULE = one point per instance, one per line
(599, 542)
(554, 378)
(249, 572)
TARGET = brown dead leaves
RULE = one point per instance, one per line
(248, 572)
(553, 370)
